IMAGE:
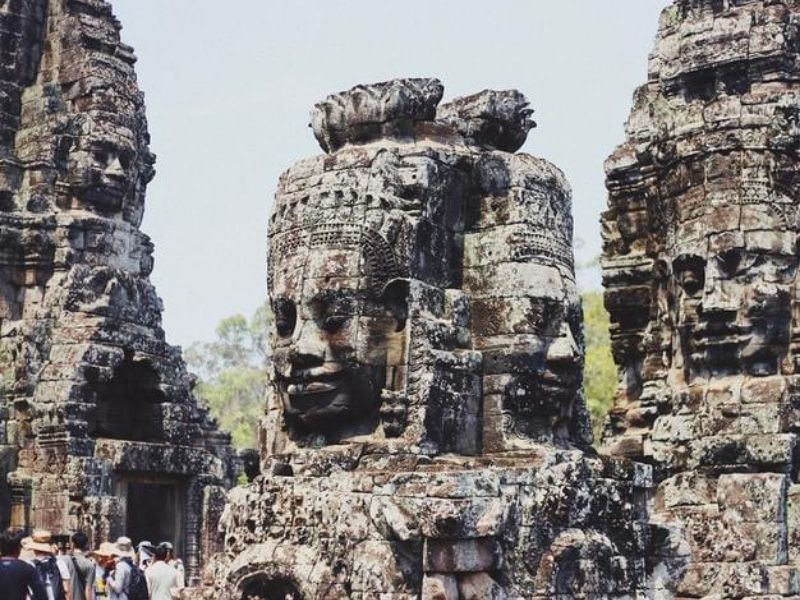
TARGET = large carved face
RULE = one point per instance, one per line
(733, 288)
(107, 167)
(547, 360)
(335, 336)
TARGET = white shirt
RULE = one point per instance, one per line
(162, 580)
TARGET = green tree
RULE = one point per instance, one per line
(600, 375)
(231, 373)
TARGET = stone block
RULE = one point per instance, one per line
(479, 586)
(771, 450)
(753, 497)
(438, 586)
(784, 580)
(793, 522)
(386, 567)
(685, 489)
(461, 556)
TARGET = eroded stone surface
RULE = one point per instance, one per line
(700, 267)
(426, 434)
(92, 398)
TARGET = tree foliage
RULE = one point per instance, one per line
(600, 375)
(231, 372)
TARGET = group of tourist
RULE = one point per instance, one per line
(34, 568)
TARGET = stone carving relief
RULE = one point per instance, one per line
(425, 434)
(700, 267)
(91, 395)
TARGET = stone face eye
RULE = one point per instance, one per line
(332, 323)
(690, 273)
(730, 261)
(285, 316)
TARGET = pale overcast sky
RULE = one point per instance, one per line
(229, 86)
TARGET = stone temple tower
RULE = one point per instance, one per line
(425, 433)
(99, 430)
(701, 275)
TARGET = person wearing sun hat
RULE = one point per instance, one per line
(54, 573)
(145, 552)
(118, 578)
(104, 556)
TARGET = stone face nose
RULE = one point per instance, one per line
(308, 348)
(719, 299)
(564, 349)
(115, 170)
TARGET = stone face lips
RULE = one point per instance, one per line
(91, 396)
(425, 432)
(700, 268)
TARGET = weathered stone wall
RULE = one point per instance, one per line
(700, 268)
(90, 392)
(425, 433)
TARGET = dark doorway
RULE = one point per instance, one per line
(154, 511)
(268, 588)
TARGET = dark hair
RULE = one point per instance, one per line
(11, 542)
(160, 552)
(80, 540)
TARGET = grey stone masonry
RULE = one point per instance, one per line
(425, 433)
(700, 266)
(94, 404)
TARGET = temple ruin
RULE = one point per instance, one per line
(426, 434)
(700, 268)
(98, 424)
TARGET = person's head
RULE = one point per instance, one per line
(11, 542)
(169, 549)
(41, 544)
(104, 555)
(80, 541)
(161, 552)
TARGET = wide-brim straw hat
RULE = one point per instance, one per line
(124, 548)
(25, 553)
(106, 550)
(40, 541)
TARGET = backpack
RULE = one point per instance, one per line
(51, 576)
(137, 587)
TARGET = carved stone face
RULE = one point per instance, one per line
(106, 168)
(733, 302)
(546, 374)
(333, 342)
